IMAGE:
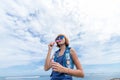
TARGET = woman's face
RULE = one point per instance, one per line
(60, 40)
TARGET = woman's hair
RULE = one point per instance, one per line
(66, 40)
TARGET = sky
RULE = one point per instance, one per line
(28, 26)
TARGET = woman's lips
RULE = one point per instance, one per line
(58, 40)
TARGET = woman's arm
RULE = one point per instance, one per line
(48, 60)
(47, 65)
(79, 71)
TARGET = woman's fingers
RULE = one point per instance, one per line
(51, 45)
(57, 67)
(55, 64)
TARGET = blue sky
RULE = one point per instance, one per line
(28, 26)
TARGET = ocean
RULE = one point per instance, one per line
(89, 76)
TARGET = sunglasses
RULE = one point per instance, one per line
(59, 38)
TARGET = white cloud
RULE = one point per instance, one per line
(30, 25)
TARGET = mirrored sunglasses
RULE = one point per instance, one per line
(59, 38)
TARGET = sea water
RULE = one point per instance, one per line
(90, 76)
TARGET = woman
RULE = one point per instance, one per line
(63, 60)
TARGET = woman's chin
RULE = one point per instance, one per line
(61, 44)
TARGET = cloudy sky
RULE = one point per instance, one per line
(28, 26)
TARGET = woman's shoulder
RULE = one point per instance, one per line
(72, 50)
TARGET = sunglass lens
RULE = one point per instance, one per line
(60, 37)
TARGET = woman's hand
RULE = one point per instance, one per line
(47, 65)
(58, 67)
(50, 46)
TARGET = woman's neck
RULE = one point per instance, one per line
(62, 50)
(62, 47)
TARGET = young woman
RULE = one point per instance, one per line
(63, 61)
